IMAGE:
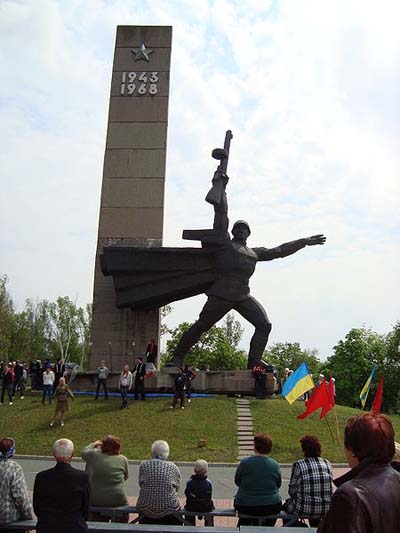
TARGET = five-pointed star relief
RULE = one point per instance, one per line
(142, 53)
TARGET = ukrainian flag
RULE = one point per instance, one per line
(365, 390)
(298, 383)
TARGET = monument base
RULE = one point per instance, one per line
(213, 382)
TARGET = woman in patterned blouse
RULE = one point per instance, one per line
(15, 503)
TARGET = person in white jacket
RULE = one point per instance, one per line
(125, 385)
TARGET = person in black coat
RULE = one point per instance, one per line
(138, 385)
(179, 389)
(59, 371)
(61, 494)
(198, 493)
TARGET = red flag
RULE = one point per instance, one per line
(319, 398)
(377, 403)
(331, 396)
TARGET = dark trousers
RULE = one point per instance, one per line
(102, 383)
(259, 386)
(262, 510)
(169, 519)
(213, 310)
(124, 396)
(138, 388)
(47, 391)
(9, 390)
(179, 395)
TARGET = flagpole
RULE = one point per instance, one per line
(330, 430)
(337, 424)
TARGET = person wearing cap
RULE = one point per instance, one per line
(235, 263)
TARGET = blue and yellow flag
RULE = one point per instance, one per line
(365, 390)
(298, 383)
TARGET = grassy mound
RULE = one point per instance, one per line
(278, 418)
(137, 426)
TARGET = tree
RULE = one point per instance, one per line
(212, 349)
(290, 355)
(233, 330)
(352, 362)
(391, 369)
(6, 320)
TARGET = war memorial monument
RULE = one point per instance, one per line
(134, 274)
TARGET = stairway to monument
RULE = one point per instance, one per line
(245, 432)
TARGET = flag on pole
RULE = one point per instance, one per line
(320, 397)
(377, 403)
(331, 395)
(298, 383)
(365, 390)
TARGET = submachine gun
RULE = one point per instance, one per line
(207, 236)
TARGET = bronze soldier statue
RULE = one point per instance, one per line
(145, 278)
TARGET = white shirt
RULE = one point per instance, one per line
(48, 378)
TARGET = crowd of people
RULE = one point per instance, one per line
(367, 499)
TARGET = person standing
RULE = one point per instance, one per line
(102, 375)
(61, 495)
(151, 352)
(61, 394)
(125, 385)
(59, 371)
(8, 378)
(139, 373)
(14, 497)
(18, 373)
(179, 389)
(48, 381)
(190, 375)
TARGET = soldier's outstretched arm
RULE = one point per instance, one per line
(288, 248)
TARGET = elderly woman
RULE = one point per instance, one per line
(15, 503)
(310, 486)
(159, 482)
(368, 496)
(258, 478)
(109, 471)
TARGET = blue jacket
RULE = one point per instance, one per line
(198, 494)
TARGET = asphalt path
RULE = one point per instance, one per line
(221, 475)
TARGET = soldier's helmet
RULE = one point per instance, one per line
(241, 223)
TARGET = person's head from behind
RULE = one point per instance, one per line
(61, 381)
(125, 369)
(369, 436)
(262, 443)
(111, 445)
(160, 450)
(201, 467)
(103, 364)
(311, 446)
(7, 447)
(63, 450)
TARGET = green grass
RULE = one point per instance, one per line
(143, 422)
(137, 426)
(277, 418)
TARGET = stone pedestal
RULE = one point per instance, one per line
(132, 196)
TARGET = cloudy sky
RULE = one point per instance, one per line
(310, 89)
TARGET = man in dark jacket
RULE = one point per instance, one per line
(138, 385)
(368, 496)
(179, 389)
(61, 494)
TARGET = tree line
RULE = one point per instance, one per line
(56, 329)
(44, 329)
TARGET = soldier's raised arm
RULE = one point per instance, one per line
(288, 248)
(221, 220)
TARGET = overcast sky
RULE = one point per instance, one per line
(310, 89)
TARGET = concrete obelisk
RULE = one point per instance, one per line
(132, 195)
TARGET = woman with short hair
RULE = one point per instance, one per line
(310, 486)
(368, 496)
(15, 503)
(159, 482)
(258, 478)
(108, 471)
